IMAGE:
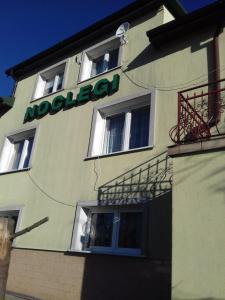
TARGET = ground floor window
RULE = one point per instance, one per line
(114, 230)
(13, 213)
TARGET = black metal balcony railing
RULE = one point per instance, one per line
(199, 111)
(147, 181)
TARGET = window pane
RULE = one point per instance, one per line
(15, 219)
(60, 81)
(18, 148)
(29, 149)
(49, 86)
(130, 230)
(113, 58)
(101, 230)
(114, 134)
(105, 62)
(97, 66)
(139, 132)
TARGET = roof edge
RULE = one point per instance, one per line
(176, 8)
(132, 11)
(207, 16)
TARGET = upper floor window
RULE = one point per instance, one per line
(128, 130)
(16, 152)
(100, 58)
(125, 125)
(50, 81)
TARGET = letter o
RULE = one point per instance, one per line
(43, 109)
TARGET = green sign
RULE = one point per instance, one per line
(101, 89)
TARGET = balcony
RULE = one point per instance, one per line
(200, 113)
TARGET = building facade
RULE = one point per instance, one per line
(135, 204)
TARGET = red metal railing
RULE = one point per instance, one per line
(199, 110)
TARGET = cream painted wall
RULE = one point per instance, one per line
(58, 165)
(167, 16)
(198, 261)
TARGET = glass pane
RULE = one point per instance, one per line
(97, 66)
(130, 230)
(114, 133)
(15, 219)
(49, 86)
(60, 81)
(29, 149)
(113, 60)
(139, 132)
(18, 148)
(101, 230)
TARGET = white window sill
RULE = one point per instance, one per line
(100, 74)
(15, 171)
(42, 97)
(111, 253)
(119, 152)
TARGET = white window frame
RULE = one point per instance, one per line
(14, 210)
(7, 150)
(124, 105)
(39, 87)
(83, 210)
(96, 51)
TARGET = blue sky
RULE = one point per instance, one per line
(29, 27)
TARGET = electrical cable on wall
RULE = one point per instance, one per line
(135, 82)
(96, 172)
(170, 88)
(46, 194)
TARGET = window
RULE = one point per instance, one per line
(12, 214)
(123, 126)
(113, 230)
(15, 213)
(137, 134)
(17, 151)
(50, 81)
(101, 58)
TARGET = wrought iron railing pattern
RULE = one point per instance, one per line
(199, 110)
(146, 181)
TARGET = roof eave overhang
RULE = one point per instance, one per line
(175, 8)
(192, 23)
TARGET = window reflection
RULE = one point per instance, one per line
(101, 230)
(130, 230)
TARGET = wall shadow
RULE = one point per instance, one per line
(148, 277)
(195, 42)
(144, 183)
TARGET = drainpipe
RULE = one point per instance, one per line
(216, 76)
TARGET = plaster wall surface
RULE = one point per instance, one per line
(198, 252)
